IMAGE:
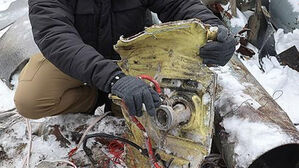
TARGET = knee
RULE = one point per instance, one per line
(30, 107)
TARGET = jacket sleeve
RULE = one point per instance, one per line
(171, 10)
(54, 33)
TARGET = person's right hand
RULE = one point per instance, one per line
(219, 52)
(135, 92)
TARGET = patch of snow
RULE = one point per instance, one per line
(231, 85)
(235, 24)
(3, 31)
(206, 98)
(4, 4)
(45, 145)
(246, 151)
(239, 21)
(247, 14)
(279, 81)
(285, 41)
(7, 95)
(295, 4)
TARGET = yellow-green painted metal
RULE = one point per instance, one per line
(169, 52)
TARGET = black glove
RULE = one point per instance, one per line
(134, 92)
(219, 52)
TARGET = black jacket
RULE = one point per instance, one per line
(77, 36)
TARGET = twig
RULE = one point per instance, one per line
(59, 161)
(27, 159)
(30, 142)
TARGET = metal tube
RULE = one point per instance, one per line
(255, 130)
(167, 117)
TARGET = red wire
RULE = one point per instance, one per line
(141, 127)
(151, 79)
(147, 141)
(71, 153)
(116, 149)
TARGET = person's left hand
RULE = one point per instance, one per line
(219, 52)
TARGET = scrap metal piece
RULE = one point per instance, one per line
(261, 33)
(254, 110)
(16, 47)
(257, 25)
(167, 117)
(290, 57)
(170, 53)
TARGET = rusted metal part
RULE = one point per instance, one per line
(213, 161)
(290, 57)
(258, 107)
(257, 25)
(59, 137)
(217, 7)
(245, 51)
(261, 33)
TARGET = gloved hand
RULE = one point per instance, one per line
(219, 52)
(134, 92)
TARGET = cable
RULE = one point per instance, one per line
(73, 151)
(141, 127)
(112, 137)
(151, 79)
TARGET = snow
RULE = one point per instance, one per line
(4, 4)
(236, 23)
(231, 85)
(247, 150)
(278, 79)
(45, 145)
(239, 21)
(3, 31)
(285, 41)
(295, 4)
(6, 95)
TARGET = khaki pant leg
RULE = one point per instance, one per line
(44, 90)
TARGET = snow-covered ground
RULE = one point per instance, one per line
(4, 4)
(280, 81)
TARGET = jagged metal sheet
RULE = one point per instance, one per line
(16, 10)
(16, 47)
